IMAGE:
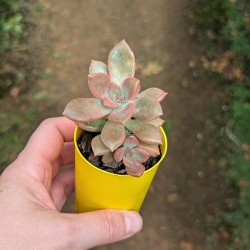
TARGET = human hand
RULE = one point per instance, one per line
(32, 193)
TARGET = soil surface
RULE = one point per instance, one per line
(187, 192)
(84, 145)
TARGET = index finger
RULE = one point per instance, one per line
(48, 139)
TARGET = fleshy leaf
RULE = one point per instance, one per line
(122, 114)
(119, 153)
(130, 88)
(98, 146)
(130, 142)
(154, 93)
(85, 109)
(113, 135)
(147, 109)
(145, 132)
(133, 168)
(115, 92)
(153, 150)
(107, 102)
(92, 126)
(98, 84)
(98, 67)
(108, 158)
(121, 63)
(136, 155)
(157, 122)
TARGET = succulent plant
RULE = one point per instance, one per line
(132, 156)
(118, 108)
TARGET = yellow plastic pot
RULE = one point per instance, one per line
(97, 189)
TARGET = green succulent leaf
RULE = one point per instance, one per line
(147, 109)
(85, 110)
(97, 67)
(113, 135)
(121, 63)
(145, 132)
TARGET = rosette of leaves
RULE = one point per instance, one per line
(117, 108)
(131, 154)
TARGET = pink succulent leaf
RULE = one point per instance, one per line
(130, 142)
(98, 84)
(121, 63)
(85, 109)
(122, 114)
(135, 169)
(119, 153)
(107, 102)
(130, 88)
(154, 93)
(136, 155)
(98, 146)
(115, 92)
(145, 132)
(153, 150)
(157, 122)
(113, 135)
(92, 126)
(108, 158)
(147, 109)
(98, 67)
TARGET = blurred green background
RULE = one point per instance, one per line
(198, 51)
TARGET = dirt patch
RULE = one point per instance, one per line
(187, 191)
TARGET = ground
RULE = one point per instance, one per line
(187, 191)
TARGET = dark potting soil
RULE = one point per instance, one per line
(84, 145)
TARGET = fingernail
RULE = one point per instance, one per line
(133, 222)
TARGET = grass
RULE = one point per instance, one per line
(224, 27)
(16, 128)
(17, 74)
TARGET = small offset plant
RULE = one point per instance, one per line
(128, 122)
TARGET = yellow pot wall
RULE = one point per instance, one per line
(97, 189)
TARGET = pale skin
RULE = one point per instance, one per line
(33, 191)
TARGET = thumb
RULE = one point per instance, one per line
(96, 228)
